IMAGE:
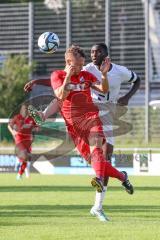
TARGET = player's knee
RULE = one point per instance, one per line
(108, 157)
(26, 157)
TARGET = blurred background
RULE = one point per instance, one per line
(130, 28)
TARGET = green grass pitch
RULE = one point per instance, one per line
(57, 207)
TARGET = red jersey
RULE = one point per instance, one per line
(23, 126)
(78, 109)
(79, 102)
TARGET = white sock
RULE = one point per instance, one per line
(27, 169)
(27, 173)
(52, 108)
(99, 198)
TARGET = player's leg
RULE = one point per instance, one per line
(107, 151)
(51, 109)
(107, 147)
(39, 117)
(23, 153)
(84, 149)
(27, 169)
(97, 209)
(36, 115)
(17, 164)
(21, 170)
(103, 168)
(23, 164)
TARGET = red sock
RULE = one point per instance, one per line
(22, 168)
(113, 172)
(98, 162)
(102, 167)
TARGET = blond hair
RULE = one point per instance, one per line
(74, 50)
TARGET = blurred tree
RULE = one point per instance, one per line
(13, 75)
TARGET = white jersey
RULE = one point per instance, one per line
(116, 76)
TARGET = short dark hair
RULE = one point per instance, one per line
(102, 46)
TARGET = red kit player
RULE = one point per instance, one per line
(21, 126)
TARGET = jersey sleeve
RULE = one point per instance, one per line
(85, 68)
(127, 76)
(56, 80)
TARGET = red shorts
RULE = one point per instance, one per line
(24, 145)
(81, 133)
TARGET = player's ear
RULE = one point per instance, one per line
(103, 56)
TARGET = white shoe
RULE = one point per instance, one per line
(19, 177)
(99, 214)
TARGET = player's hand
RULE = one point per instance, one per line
(123, 101)
(105, 66)
(28, 86)
(70, 70)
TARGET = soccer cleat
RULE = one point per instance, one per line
(128, 186)
(99, 214)
(19, 177)
(35, 115)
(97, 183)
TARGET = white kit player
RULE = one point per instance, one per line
(116, 76)
(111, 101)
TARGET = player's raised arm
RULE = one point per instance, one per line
(62, 91)
(28, 86)
(103, 86)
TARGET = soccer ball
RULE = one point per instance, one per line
(48, 42)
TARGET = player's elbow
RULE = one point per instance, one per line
(61, 96)
(58, 94)
(105, 89)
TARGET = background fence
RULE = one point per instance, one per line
(133, 38)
